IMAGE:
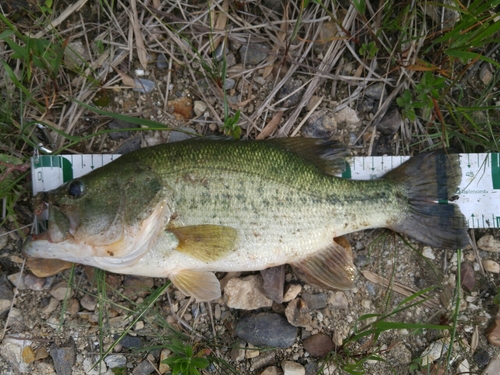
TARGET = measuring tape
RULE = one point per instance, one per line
(479, 191)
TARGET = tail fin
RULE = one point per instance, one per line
(430, 181)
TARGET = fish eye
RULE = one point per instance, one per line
(76, 188)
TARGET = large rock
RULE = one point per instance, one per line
(266, 329)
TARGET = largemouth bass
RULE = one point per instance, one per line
(186, 210)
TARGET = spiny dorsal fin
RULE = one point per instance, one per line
(329, 156)
(205, 242)
(331, 268)
(202, 285)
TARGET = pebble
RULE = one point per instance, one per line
(468, 276)
(251, 352)
(4, 239)
(315, 301)
(182, 108)
(291, 292)
(143, 368)
(73, 306)
(4, 305)
(75, 55)
(17, 280)
(88, 302)
(338, 301)
(346, 116)
(376, 91)
(252, 54)
(116, 124)
(144, 86)
(319, 345)
(489, 243)
(485, 74)
(292, 368)
(481, 357)
(493, 333)
(229, 83)
(238, 351)
(32, 282)
(115, 360)
(493, 367)
(321, 124)
(390, 123)
(129, 145)
(275, 5)
(428, 253)
(11, 350)
(88, 366)
(163, 367)
(177, 136)
(288, 88)
(298, 314)
(311, 368)
(50, 307)
(246, 293)
(271, 370)
(491, 266)
(265, 359)
(434, 351)
(266, 329)
(64, 357)
(61, 291)
(5, 287)
(161, 62)
(274, 282)
(137, 286)
(129, 341)
(199, 107)
(217, 312)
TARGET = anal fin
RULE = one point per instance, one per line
(202, 285)
(331, 268)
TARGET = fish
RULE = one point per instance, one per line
(189, 209)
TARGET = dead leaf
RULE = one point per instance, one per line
(271, 125)
(139, 41)
(126, 79)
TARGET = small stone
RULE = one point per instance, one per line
(50, 307)
(4, 306)
(28, 354)
(137, 286)
(129, 145)
(32, 282)
(61, 290)
(338, 301)
(88, 302)
(17, 279)
(298, 314)
(292, 368)
(266, 329)
(163, 368)
(238, 351)
(72, 307)
(139, 326)
(161, 62)
(315, 301)
(481, 357)
(321, 124)
(390, 123)
(91, 368)
(493, 333)
(319, 345)
(493, 367)
(144, 86)
(4, 239)
(491, 266)
(217, 312)
(346, 116)
(468, 276)
(251, 352)
(376, 91)
(485, 74)
(129, 341)
(271, 370)
(64, 357)
(265, 359)
(489, 243)
(292, 91)
(252, 54)
(199, 107)
(464, 367)
(246, 293)
(11, 349)
(312, 368)
(41, 353)
(182, 108)
(75, 54)
(274, 281)
(5, 287)
(229, 83)
(291, 292)
(116, 124)
(144, 368)
(434, 351)
(177, 136)
(428, 253)
(115, 360)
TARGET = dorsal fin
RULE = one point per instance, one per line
(329, 156)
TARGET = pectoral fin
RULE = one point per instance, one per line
(206, 242)
(202, 285)
(331, 268)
